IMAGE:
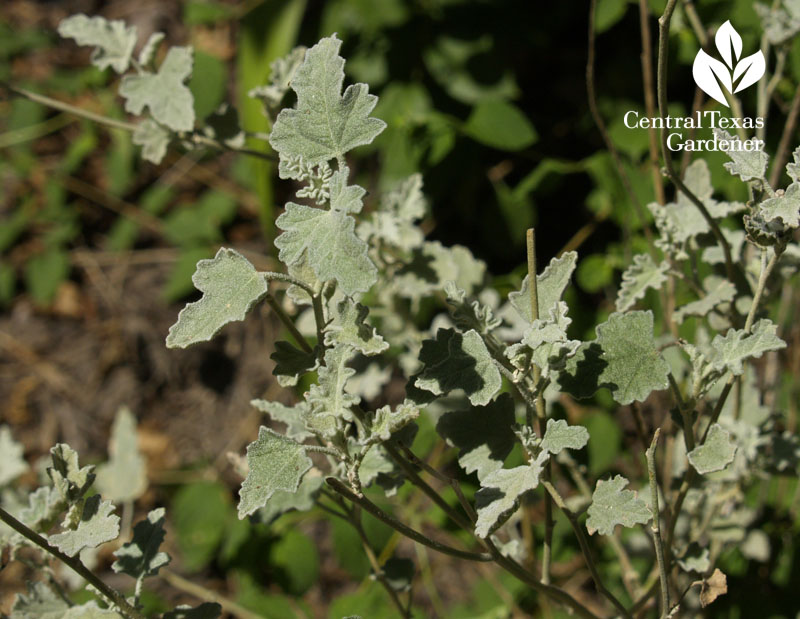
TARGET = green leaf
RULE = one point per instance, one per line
(141, 557)
(12, 461)
(329, 400)
(718, 290)
(44, 273)
(729, 352)
(230, 287)
(643, 274)
(501, 125)
(747, 165)
(550, 286)
(292, 416)
(153, 139)
(69, 479)
(785, 207)
(170, 101)
(349, 328)
(613, 505)
(124, 476)
(624, 358)
(500, 493)
(297, 558)
(97, 525)
(275, 463)
(483, 435)
(291, 363)
(325, 124)
(284, 501)
(42, 602)
(200, 513)
(458, 361)
(113, 40)
(560, 435)
(387, 421)
(715, 453)
(329, 244)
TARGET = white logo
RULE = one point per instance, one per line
(709, 72)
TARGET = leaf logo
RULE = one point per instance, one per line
(709, 73)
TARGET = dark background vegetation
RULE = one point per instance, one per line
(97, 249)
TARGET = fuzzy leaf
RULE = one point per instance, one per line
(500, 493)
(123, 477)
(97, 525)
(170, 101)
(292, 416)
(343, 197)
(283, 501)
(69, 479)
(729, 352)
(12, 462)
(113, 41)
(149, 49)
(785, 207)
(482, 434)
(638, 278)
(282, 71)
(291, 363)
(458, 361)
(550, 286)
(793, 168)
(153, 139)
(141, 557)
(274, 463)
(613, 505)
(230, 287)
(715, 454)
(325, 124)
(41, 602)
(349, 327)
(634, 367)
(330, 399)
(747, 165)
(560, 435)
(394, 222)
(43, 506)
(432, 265)
(387, 421)
(329, 244)
(718, 290)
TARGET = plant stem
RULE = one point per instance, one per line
(786, 137)
(288, 323)
(398, 526)
(73, 563)
(648, 82)
(656, 527)
(663, 53)
(584, 544)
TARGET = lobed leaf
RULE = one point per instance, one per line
(124, 476)
(329, 400)
(729, 352)
(715, 453)
(483, 435)
(785, 207)
(170, 101)
(559, 435)
(97, 525)
(141, 556)
(327, 241)
(349, 327)
(501, 491)
(70, 480)
(387, 421)
(42, 602)
(613, 505)
(230, 287)
(275, 463)
(747, 165)
(113, 41)
(458, 361)
(718, 290)
(292, 416)
(153, 139)
(282, 70)
(550, 286)
(325, 123)
(640, 276)
(291, 363)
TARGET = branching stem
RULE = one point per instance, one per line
(656, 527)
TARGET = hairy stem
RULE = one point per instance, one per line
(288, 323)
(656, 527)
(74, 563)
